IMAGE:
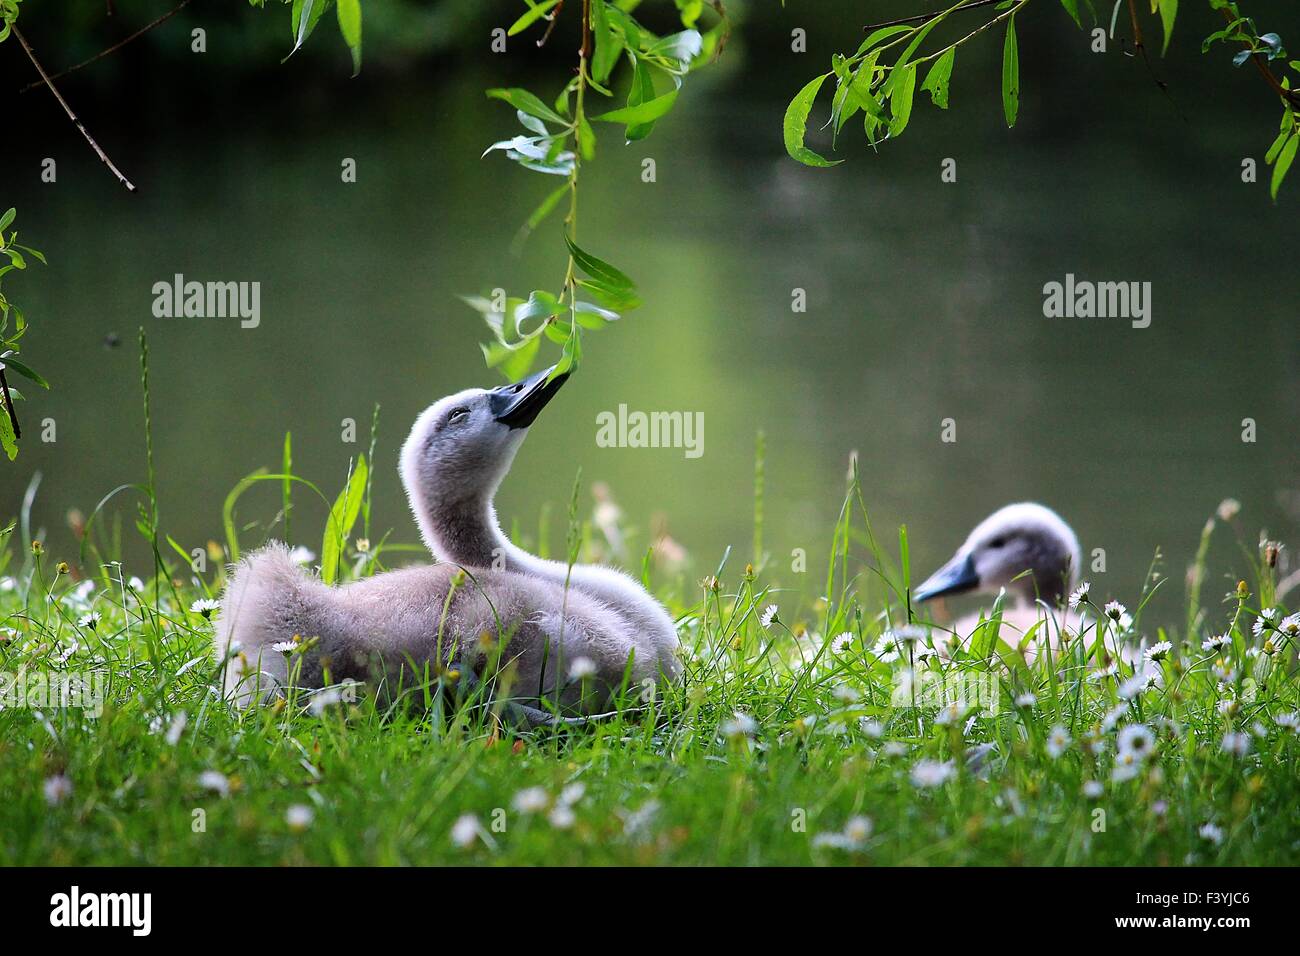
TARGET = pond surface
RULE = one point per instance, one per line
(924, 302)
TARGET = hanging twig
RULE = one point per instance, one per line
(116, 46)
(927, 17)
(550, 19)
(71, 115)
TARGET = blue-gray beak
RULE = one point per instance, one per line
(519, 404)
(956, 576)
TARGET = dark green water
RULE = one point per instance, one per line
(924, 303)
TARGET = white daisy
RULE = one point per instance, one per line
(1289, 722)
(1159, 650)
(950, 715)
(1228, 509)
(465, 830)
(1092, 789)
(90, 620)
(1290, 626)
(846, 694)
(1057, 741)
(768, 616)
(1127, 765)
(299, 816)
(1112, 717)
(1217, 642)
(204, 606)
(531, 800)
(285, 647)
(1137, 684)
(1080, 594)
(572, 794)
(1027, 699)
(1114, 610)
(176, 728)
(740, 725)
(215, 781)
(301, 555)
(582, 667)
(1136, 739)
(875, 729)
(561, 817)
(932, 773)
(840, 642)
(1237, 744)
(1211, 832)
(57, 789)
(1263, 620)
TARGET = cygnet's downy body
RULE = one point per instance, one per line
(538, 630)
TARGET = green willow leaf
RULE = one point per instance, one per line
(795, 125)
(1010, 75)
(530, 16)
(349, 13)
(1283, 164)
(10, 362)
(642, 113)
(900, 100)
(521, 99)
(936, 81)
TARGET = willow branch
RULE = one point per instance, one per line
(116, 46)
(71, 115)
(927, 17)
(1291, 96)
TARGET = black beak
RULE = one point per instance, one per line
(519, 404)
(956, 576)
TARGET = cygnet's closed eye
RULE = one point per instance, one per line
(457, 415)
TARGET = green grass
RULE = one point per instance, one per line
(687, 782)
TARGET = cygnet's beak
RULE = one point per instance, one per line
(956, 576)
(517, 405)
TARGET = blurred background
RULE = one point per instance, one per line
(924, 299)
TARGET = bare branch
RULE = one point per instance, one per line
(927, 17)
(71, 115)
(116, 46)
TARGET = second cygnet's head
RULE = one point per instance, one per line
(461, 446)
(1026, 548)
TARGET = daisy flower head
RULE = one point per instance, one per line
(1027, 699)
(1127, 765)
(1080, 594)
(1289, 722)
(1211, 832)
(1159, 650)
(299, 816)
(465, 830)
(204, 606)
(840, 642)
(768, 616)
(1114, 610)
(300, 555)
(56, 788)
(950, 715)
(1235, 743)
(1290, 625)
(1057, 741)
(90, 621)
(1093, 789)
(740, 725)
(932, 773)
(582, 667)
(1218, 642)
(531, 800)
(1137, 684)
(215, 781)
(561, 816)
(886, 651)
(1263, 620)
(1136, 739)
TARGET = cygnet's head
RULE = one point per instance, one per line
(1019, 538)
(461, 446)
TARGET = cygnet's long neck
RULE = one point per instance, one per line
(466, 532)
